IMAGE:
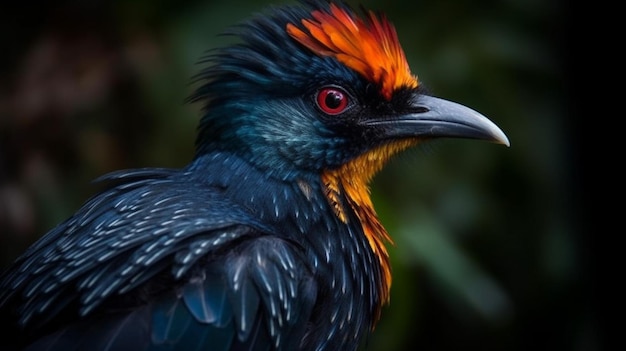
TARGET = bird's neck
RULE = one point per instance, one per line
(300, 204)
(351, 181)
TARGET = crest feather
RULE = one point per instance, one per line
(369, 46)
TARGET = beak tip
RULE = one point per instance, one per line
(491, 130)
(501, 138)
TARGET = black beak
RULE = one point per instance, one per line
(431, 117)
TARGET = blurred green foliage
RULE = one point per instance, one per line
(489, 248)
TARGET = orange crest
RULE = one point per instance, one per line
(369, 47)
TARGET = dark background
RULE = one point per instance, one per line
(492, 249)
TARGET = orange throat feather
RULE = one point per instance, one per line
(352, 181)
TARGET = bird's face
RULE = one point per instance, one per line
(317, 89)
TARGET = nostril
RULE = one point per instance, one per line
(419, 109)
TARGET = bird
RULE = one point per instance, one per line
(268, 239)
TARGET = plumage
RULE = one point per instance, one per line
(268, 239)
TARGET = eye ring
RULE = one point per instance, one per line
(332, 100)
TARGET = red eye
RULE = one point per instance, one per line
(332, 100)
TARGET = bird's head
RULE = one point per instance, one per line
(317, 88)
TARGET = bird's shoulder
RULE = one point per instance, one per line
(171, 240)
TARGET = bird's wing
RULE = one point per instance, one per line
(180, 260)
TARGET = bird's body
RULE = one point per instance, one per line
(229, 258)
(268, 240)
